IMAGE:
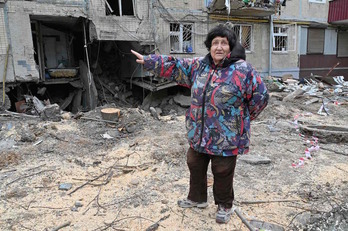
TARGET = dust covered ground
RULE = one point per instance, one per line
(129, 175)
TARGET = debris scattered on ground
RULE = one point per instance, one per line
(129, 173)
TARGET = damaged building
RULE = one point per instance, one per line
(66, 51)
(43, 45)
(73, 52)
(301, 39)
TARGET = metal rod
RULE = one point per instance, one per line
(244, 220)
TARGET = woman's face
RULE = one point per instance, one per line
(219, 49)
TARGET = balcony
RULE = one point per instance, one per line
(338, 12)
(245, 8)
(2, 3)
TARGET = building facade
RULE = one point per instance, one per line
(61, 42)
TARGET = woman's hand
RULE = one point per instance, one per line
(140, 58)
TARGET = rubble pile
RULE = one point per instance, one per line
(90, 172)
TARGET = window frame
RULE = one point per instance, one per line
(339, 52)
(279, 33)
(240, 36)
(120, 12)
(180, 35)
(308, 52)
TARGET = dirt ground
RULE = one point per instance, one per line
(129, 175)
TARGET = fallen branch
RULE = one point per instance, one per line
(25, 227)
(292, 220)
(99, 120)
(156, 225)
(132, 217)
(46, 207)
(83, 185)
(268, 201)
(23, 177)
(117, 202)
(15, 114)
(336, 152)
(30, 169)
(306, 209)
(108, 179)
(62, 226)
(245, 221)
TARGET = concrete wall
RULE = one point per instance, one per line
(150, 24)
(22, 47)
(304, 10)
(122, 28)
(282, 63)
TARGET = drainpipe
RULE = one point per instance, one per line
(7, 26)
(270, 45)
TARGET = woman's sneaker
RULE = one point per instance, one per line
(223, 214)
(186, 203)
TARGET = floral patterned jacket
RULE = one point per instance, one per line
(224, 99)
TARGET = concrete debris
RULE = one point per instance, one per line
(107, 136)
(65, 186)
(262, 225)
(254, 159)
(326, 134)
(51, 112)
(154, 113)
(148, 160)
(182, 100)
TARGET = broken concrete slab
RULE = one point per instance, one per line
(327, 133)
(51, 112)
(254, 159)
(182, 100)
(262, 225)
(294, 94)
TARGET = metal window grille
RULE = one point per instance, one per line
(280, 38)
(243, 33)
(181, 38)
(3, 35)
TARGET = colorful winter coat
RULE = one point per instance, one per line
(224, 99)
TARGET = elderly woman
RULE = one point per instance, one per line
(226, 94)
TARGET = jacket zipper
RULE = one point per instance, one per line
(203, 106)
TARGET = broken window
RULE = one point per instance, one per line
(342, 44)
(315, 42)
(58, 46)
(3, 35)
(181, 38)
(280, 38)
(243, 33)
(119, 7)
